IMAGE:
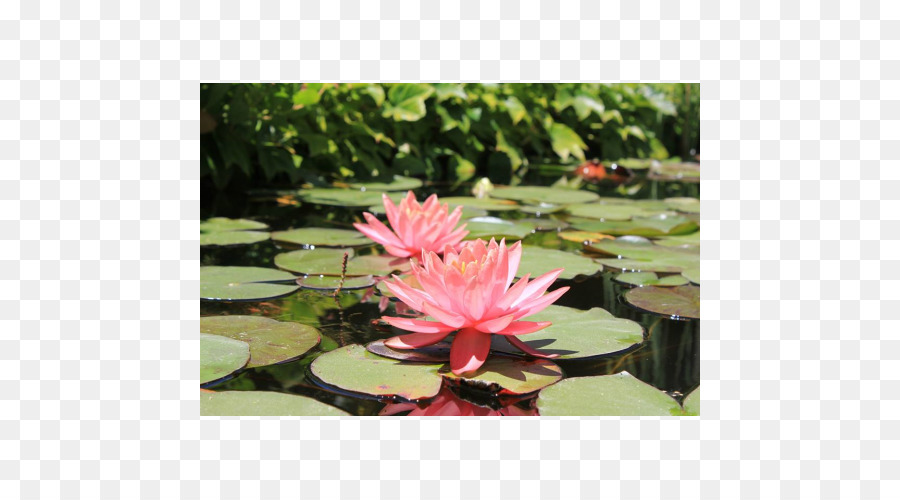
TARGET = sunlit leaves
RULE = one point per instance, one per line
(607, 395)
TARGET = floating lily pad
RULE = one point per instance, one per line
(329, 262)
(544, 224)
(507, 375)
(399, 183)
(608, 395)
(643, 255)
(353, 368)
(541, 209)
(488, 227)
(228, 238)
(333, 282)
(689, 172)
(537, 261)
(345, 197)
(677, 302)
(224, 224)
(435, 353)
(489, 204)
(322, 237)
(270, 342)
(467, 212)
(535, 195)
(263, 403)
(235, 283)
(650, 279)
(658, 225)
(692, 274)
(577, 334)
(604, 211)
(584, 236)
(687, 205)
(221, 356)
(635, 163)
(685, 241)
(691, 403)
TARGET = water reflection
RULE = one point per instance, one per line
(448, 403)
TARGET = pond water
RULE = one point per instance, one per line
(668, 359)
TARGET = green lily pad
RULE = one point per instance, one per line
(228, 238)
(322, 237)
(345, 197)
(235, 283)
(224, 224)
(270, 342)
(507, 375)
(687, 205)
(489, 204)
(635, 163)
(691, 403)
(263, 403)
(677, 302)
(692, 274)
(435, 353)
(329, 262)
(221, 356)
(544, 224)
(537, 261)
(536, 195)
(643, 255)
(333, 282)
(604, 211)
(689, 172)
(400, 183)
(650, 279)
(583, 236)
(353, 368)
(658, 225)
(488, 227)
(607, 395)
(577, 334)
(541, 209)
(684, 241)
(467, 212)
(637, 266)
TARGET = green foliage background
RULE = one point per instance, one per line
(261, 133)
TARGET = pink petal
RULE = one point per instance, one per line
(515, 255)
(409, 295)
(522, 346)
(496, 325)
(523, 327)
(469, 351)
(537, 287)
(390, 209)
(446, 317)
(418, 325)
(414, 340)
(537, 305)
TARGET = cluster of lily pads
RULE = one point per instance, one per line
(652, 245)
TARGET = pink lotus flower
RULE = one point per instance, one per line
(449, 404)
(470, 292)
(416, 228)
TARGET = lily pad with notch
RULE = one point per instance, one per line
(536, 195)
(329, 262)
(493, 227)
(650, 279)
(237, 283)
(270, 342)
(263, 403)
(221, 356)
(509, 375)
(577, 334)
(353, 368)
(691, 403)
(653, 226)
(322, 237)
(692, 274)
(606, 395)
(675, 302)
(538, 260)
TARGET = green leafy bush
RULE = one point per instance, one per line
(255, 133)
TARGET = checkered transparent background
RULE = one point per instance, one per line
(99, 175)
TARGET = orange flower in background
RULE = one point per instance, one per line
(469, 292)
(416, 228)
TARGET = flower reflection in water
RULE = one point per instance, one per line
(447, 403)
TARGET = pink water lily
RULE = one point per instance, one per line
(416, 228)
(469, 292)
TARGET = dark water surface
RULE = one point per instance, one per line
(669, 359)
